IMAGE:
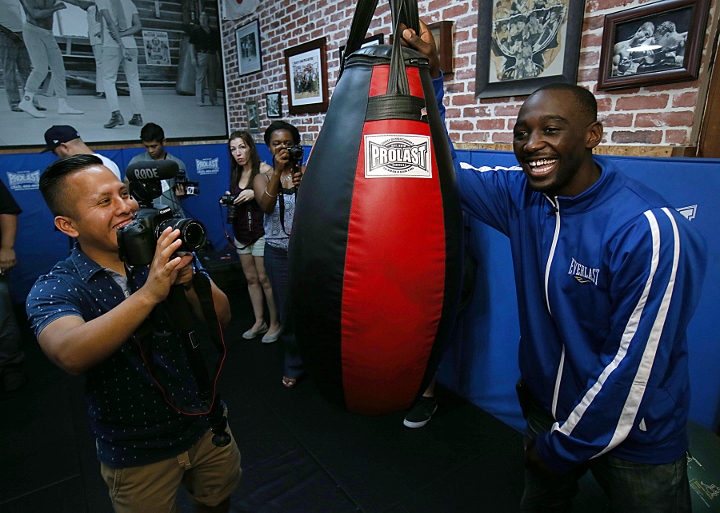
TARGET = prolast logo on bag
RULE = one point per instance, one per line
(397, 155)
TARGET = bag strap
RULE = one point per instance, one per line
(403, 11)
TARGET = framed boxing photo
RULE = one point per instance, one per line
(273, 104)
(247, 39)
(657, 43)
(253, 119)
(306, 75)
(521, 49)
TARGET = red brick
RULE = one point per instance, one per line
(687, 99)
(679, 137)
(594, 22)
(615, 120)
(467, 47)
(454, 12)
(639, 102)
(639, 136)
(474, 137)
(507, 110)
(460, 72)
(461, 35)
(474, 112)
(490, 124)
(674, 119)
(463, 99)
(591, 40)
(587, 75)
(590, 59)
(460, 124)
(502, 137)
(604, 104)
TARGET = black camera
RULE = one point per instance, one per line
(229, 201)
(137, 240)
(296, 153)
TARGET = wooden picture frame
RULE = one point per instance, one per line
(273, 104)
(377, 39)
(253, 116)
(657, 43)
(247, 39)
(512, 61)
(306, 76)
(442, 31)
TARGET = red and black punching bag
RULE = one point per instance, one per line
(375, 249)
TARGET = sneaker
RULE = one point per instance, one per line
(421, 412)
(100, 96)
(136, 120)
(115, 120)
(15, 108)
(37, 105)
(27, 105)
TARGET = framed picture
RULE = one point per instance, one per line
(248, 48)
(377, 39)
(253, 119)
(519, 50)
(653, 44)
(273, 104)
(442, 31)
(174, 105)
(306, 75)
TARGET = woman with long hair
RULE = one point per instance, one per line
(248, 231)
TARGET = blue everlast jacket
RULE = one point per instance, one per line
(607, 282)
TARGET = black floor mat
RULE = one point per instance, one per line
(300, 452)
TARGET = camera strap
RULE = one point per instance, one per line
(171, 322)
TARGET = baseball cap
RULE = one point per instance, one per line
(58, 134)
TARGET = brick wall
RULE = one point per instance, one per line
(664, 115)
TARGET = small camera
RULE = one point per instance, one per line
(296, 153)
(229, 201)
(137, 240)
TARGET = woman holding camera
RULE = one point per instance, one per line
(248, 231)
(276, 192)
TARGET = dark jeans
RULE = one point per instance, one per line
(632, 487)
(276, 267)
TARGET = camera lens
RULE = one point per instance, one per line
(192, 233)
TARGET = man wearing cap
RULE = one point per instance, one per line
(64, 140)
(45, 53)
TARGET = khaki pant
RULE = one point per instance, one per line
(210, 475)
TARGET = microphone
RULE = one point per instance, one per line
(151, 170)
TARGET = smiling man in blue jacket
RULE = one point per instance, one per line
(608, 275)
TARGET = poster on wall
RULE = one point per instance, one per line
(157, 49)
(163, 93)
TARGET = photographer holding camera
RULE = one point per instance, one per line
(87, 313)
(246, 217)
(276, 193)
(153, 139)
